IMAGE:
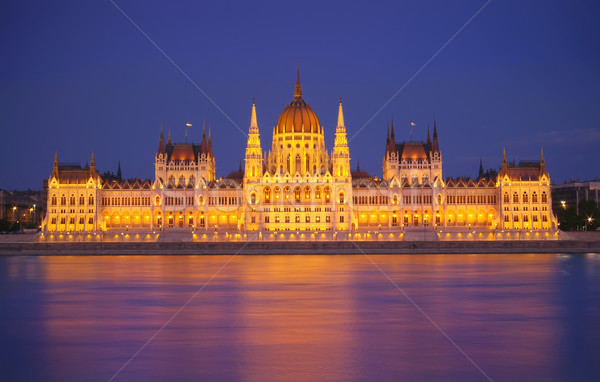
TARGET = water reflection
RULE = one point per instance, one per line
(519, 317)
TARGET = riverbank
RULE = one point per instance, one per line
(325, 247)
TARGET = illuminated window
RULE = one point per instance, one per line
(341, 198)
(297, 219)
(287, 218)
(544, 197)
(327, 219)
(525, 197)
(534, 197)
(307, 192)
(276, 218)
(307, 219)
(53, 200)
(515, 198)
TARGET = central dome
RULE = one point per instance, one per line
(298, 116)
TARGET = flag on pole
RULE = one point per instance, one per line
(188, 124)
(412, 123)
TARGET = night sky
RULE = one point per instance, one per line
(77, 77)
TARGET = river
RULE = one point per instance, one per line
(521, 317)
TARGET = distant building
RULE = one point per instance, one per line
(298, 185)
(23, 207)
(572, 192)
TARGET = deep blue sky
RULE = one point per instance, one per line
(77, 77)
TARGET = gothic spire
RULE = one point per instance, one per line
(169, 141)
(161, 141)
(435, 146)
(428, 139)
(298, 90)
(341, 116)
(480, 168)
(253, 120)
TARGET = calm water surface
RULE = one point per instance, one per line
(300, 318)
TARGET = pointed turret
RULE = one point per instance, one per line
(169, 141)
(253, 120)
(210, 151)
(161, 140)
(392, 137)
(340, 115)
(504, 167)
(119, 175)
(93, 164)
(341, 153)
(254, 155)
(481, 174)
(298, 89)
(435, 146)
(204, 143)
(55, 167)
(542, 162)
(428, 139)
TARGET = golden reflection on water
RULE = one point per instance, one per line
(300, 317)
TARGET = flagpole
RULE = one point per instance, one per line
(186, 133)
(411, 126)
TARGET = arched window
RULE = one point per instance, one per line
(192, 182)
(157, 200)
(91, 200)
(53, 199)
(171, 181)
(181, 181)
(327, 194)
(318, 193)
(515, 198)
(287, 192)
(544, 197)
(298, 163)
(277, 193)
(253, 198)
(341, 197)
(288, 164)
(81, 200)
(297, 194)
(200, 200)
(307, 192)
(534, 197)
(439, 199)
(307, 165)
(525, 197)
(506, 197)
(395, 199)
(72, 200)
(267, 195)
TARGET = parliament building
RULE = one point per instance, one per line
(300, 190)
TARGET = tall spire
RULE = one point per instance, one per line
(210, 151)
(298, 90)
(435, 146)
(253, 121)
(392, 138)
(161, 141)
(428, 139)
(254, 156)
(55, 167)
(480, 168)
(341, 115)
(204, 144)
(119, 175)
(542, 162)
(169, 141)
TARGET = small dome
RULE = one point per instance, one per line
(298, 116)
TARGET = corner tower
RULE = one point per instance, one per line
(254, 168)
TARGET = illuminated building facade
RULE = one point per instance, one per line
(298, 185)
